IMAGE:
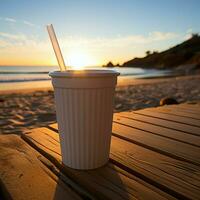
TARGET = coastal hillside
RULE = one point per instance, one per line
(184, 54)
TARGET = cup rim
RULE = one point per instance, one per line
(84, 73)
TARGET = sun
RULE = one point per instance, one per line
(78, 59)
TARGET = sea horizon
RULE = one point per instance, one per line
(38, 73)
(28, 77)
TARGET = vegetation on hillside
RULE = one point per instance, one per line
(186, 54)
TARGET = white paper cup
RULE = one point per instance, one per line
(84, 110)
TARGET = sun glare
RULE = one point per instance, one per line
(78, 59)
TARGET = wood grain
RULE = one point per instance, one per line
(177, 178)
(168, 117)
(108, 182)
(125, 128)
(162, 123)
(182, 108)
(192, 107)
(24, 176)
(159, 144)
(163, 171)
(177, 112)
(158, 130)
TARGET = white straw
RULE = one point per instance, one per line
(56, 47)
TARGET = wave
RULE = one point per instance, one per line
(46, 72)
(23, 80)
(23, 72)
(12, 75)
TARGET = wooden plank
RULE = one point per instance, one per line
(181, 109)
(109, 182)
(23, 175)
(179, 119)
(159, 144)
(162, 123)
(187, 110)
(54, 127)
(157, 130)
(192, 107)
(172, 111)
(178, 178)
(164, 145)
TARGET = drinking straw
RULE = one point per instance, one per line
(56, 47)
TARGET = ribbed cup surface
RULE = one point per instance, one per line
(84, 118)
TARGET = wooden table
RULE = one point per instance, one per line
(155, 154)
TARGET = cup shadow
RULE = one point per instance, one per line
(103, 183)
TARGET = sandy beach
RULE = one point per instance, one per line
(25, 109)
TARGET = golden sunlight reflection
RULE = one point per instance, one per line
(78, 59)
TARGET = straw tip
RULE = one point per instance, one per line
(49, 24)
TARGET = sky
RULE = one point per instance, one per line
(92, 32)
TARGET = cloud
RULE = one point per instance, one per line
(189, 30)
(188, 34)
(159, 36)
(21, 41)
(24, 48)
(4, 44)
(118, 41)
(103, 48)
(10, 20)
(9, 36)
(73, 41)
(29, 24)
(97, 45)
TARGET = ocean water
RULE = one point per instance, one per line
(21, 77)
(38, 73)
